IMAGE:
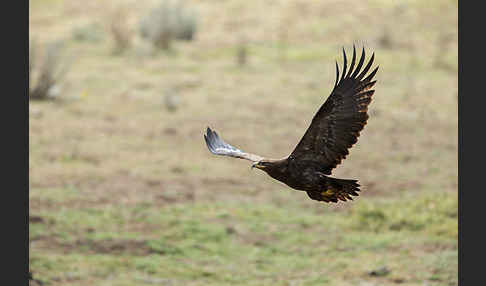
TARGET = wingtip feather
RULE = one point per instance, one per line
(353, 61)
(360, 64)
(337, 74)
(367, 68)
(345, 66)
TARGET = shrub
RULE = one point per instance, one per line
(44, 76)
(168, 21)
(120, 31)
(88, 33)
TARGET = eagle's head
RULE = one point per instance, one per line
(262, 164)
(276, 169)
(271, 165)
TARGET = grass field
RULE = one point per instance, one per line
(123, 191)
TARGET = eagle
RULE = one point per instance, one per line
(334, 129)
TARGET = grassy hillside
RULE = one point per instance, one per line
(123, 190)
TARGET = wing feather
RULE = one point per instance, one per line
(360, 64)
(352, 61)
(217, 146)
(345, 64)
(336, 126)
(337, 74)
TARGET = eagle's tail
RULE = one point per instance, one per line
(336, 189)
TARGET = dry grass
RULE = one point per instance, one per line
(111, 169)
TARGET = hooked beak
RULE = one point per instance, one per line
(257, 165)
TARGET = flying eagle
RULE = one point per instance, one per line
(334, 129)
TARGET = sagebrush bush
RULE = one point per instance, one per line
(92, 32)
(170, 20)
(121, 33)
(45, 73)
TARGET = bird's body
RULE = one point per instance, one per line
(333, 130)
(307, 176)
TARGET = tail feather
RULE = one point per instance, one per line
(336, 189)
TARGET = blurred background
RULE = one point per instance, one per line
(123, 190)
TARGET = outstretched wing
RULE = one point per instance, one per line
(337, 124)
(217, 146)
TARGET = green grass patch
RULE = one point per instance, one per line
(434, 213)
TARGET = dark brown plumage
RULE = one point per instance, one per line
(334, 129)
